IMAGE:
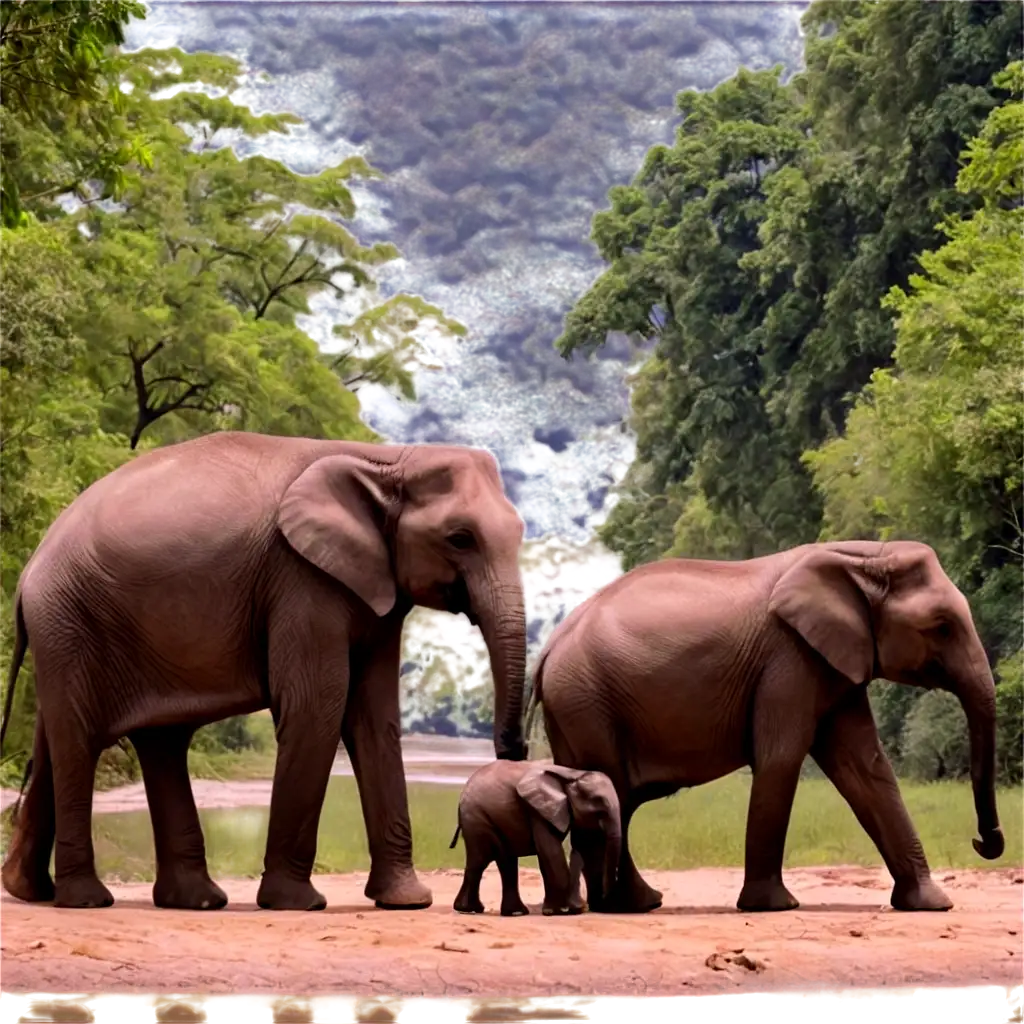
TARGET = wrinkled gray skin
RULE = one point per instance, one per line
(683, 671)
(512, 809)
(237, 572)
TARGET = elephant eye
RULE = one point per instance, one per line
(461, 540)
(944, 630)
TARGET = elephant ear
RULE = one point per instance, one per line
(332, 515)
(822, 600)
(543, 791)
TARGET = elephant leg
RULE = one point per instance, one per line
(781, 740)
(182, 879)
(632, 895)
(75, 754)
(512, 904)
(477, 860)
(849, 752)
(309, 672)
(372, 732)
(575, 871)
(553, 868)
(26, 870)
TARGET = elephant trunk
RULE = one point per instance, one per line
(975, 689)
(501, 615)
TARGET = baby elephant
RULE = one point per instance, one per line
(512, 809)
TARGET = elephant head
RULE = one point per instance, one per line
(889, 611)
(586, 802)
(432, 525)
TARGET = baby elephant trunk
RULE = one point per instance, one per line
(612, 853)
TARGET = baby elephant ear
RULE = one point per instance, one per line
(546, 795)
(332, 515)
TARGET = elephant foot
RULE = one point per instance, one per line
(516, 909)
(399, 892)
(277, 892)
(568, 910)
(23, 884)
(758, 897)
(464, 905)
(82, 892)
(188, 890)
(639, 898)
(919, 894)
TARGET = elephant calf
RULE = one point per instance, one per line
(513, 809)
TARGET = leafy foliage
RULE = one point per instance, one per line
(830, 269)
(60, 101)
(153, 280)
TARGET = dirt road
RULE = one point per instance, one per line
(844, 934)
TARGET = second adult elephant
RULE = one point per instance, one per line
(237, 572)
(683, 671)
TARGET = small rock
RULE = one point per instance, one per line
(751, 965)
(501, 945)
(1019, 880)
(856, 933)
(1012, 932)
(38, 944)
(574, 956)
(451, 949)
(327, 938)
(359, 916)
(717, 962)
(721, 961)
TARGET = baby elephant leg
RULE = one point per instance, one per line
(576, 904)
(554, 870)
(478, 857)
(511, 902)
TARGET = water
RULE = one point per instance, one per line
(235, 816)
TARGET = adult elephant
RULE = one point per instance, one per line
(683, 671)
(237, 572)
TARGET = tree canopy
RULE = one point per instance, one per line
(830, 271)
(153, 281)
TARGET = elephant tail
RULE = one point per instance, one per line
(455, 838)
(20, 646)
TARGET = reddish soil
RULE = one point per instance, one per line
(843, 935)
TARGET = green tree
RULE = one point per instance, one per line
(211, 258)
(933, 447)
(52, 445)
(675, 240)
(935, 742)
(893, 92)
(174, 311)
(756, 252)
(60, 101)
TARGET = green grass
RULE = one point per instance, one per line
(702, 827)
(230, 765)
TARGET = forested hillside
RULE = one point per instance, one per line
(831, 271)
